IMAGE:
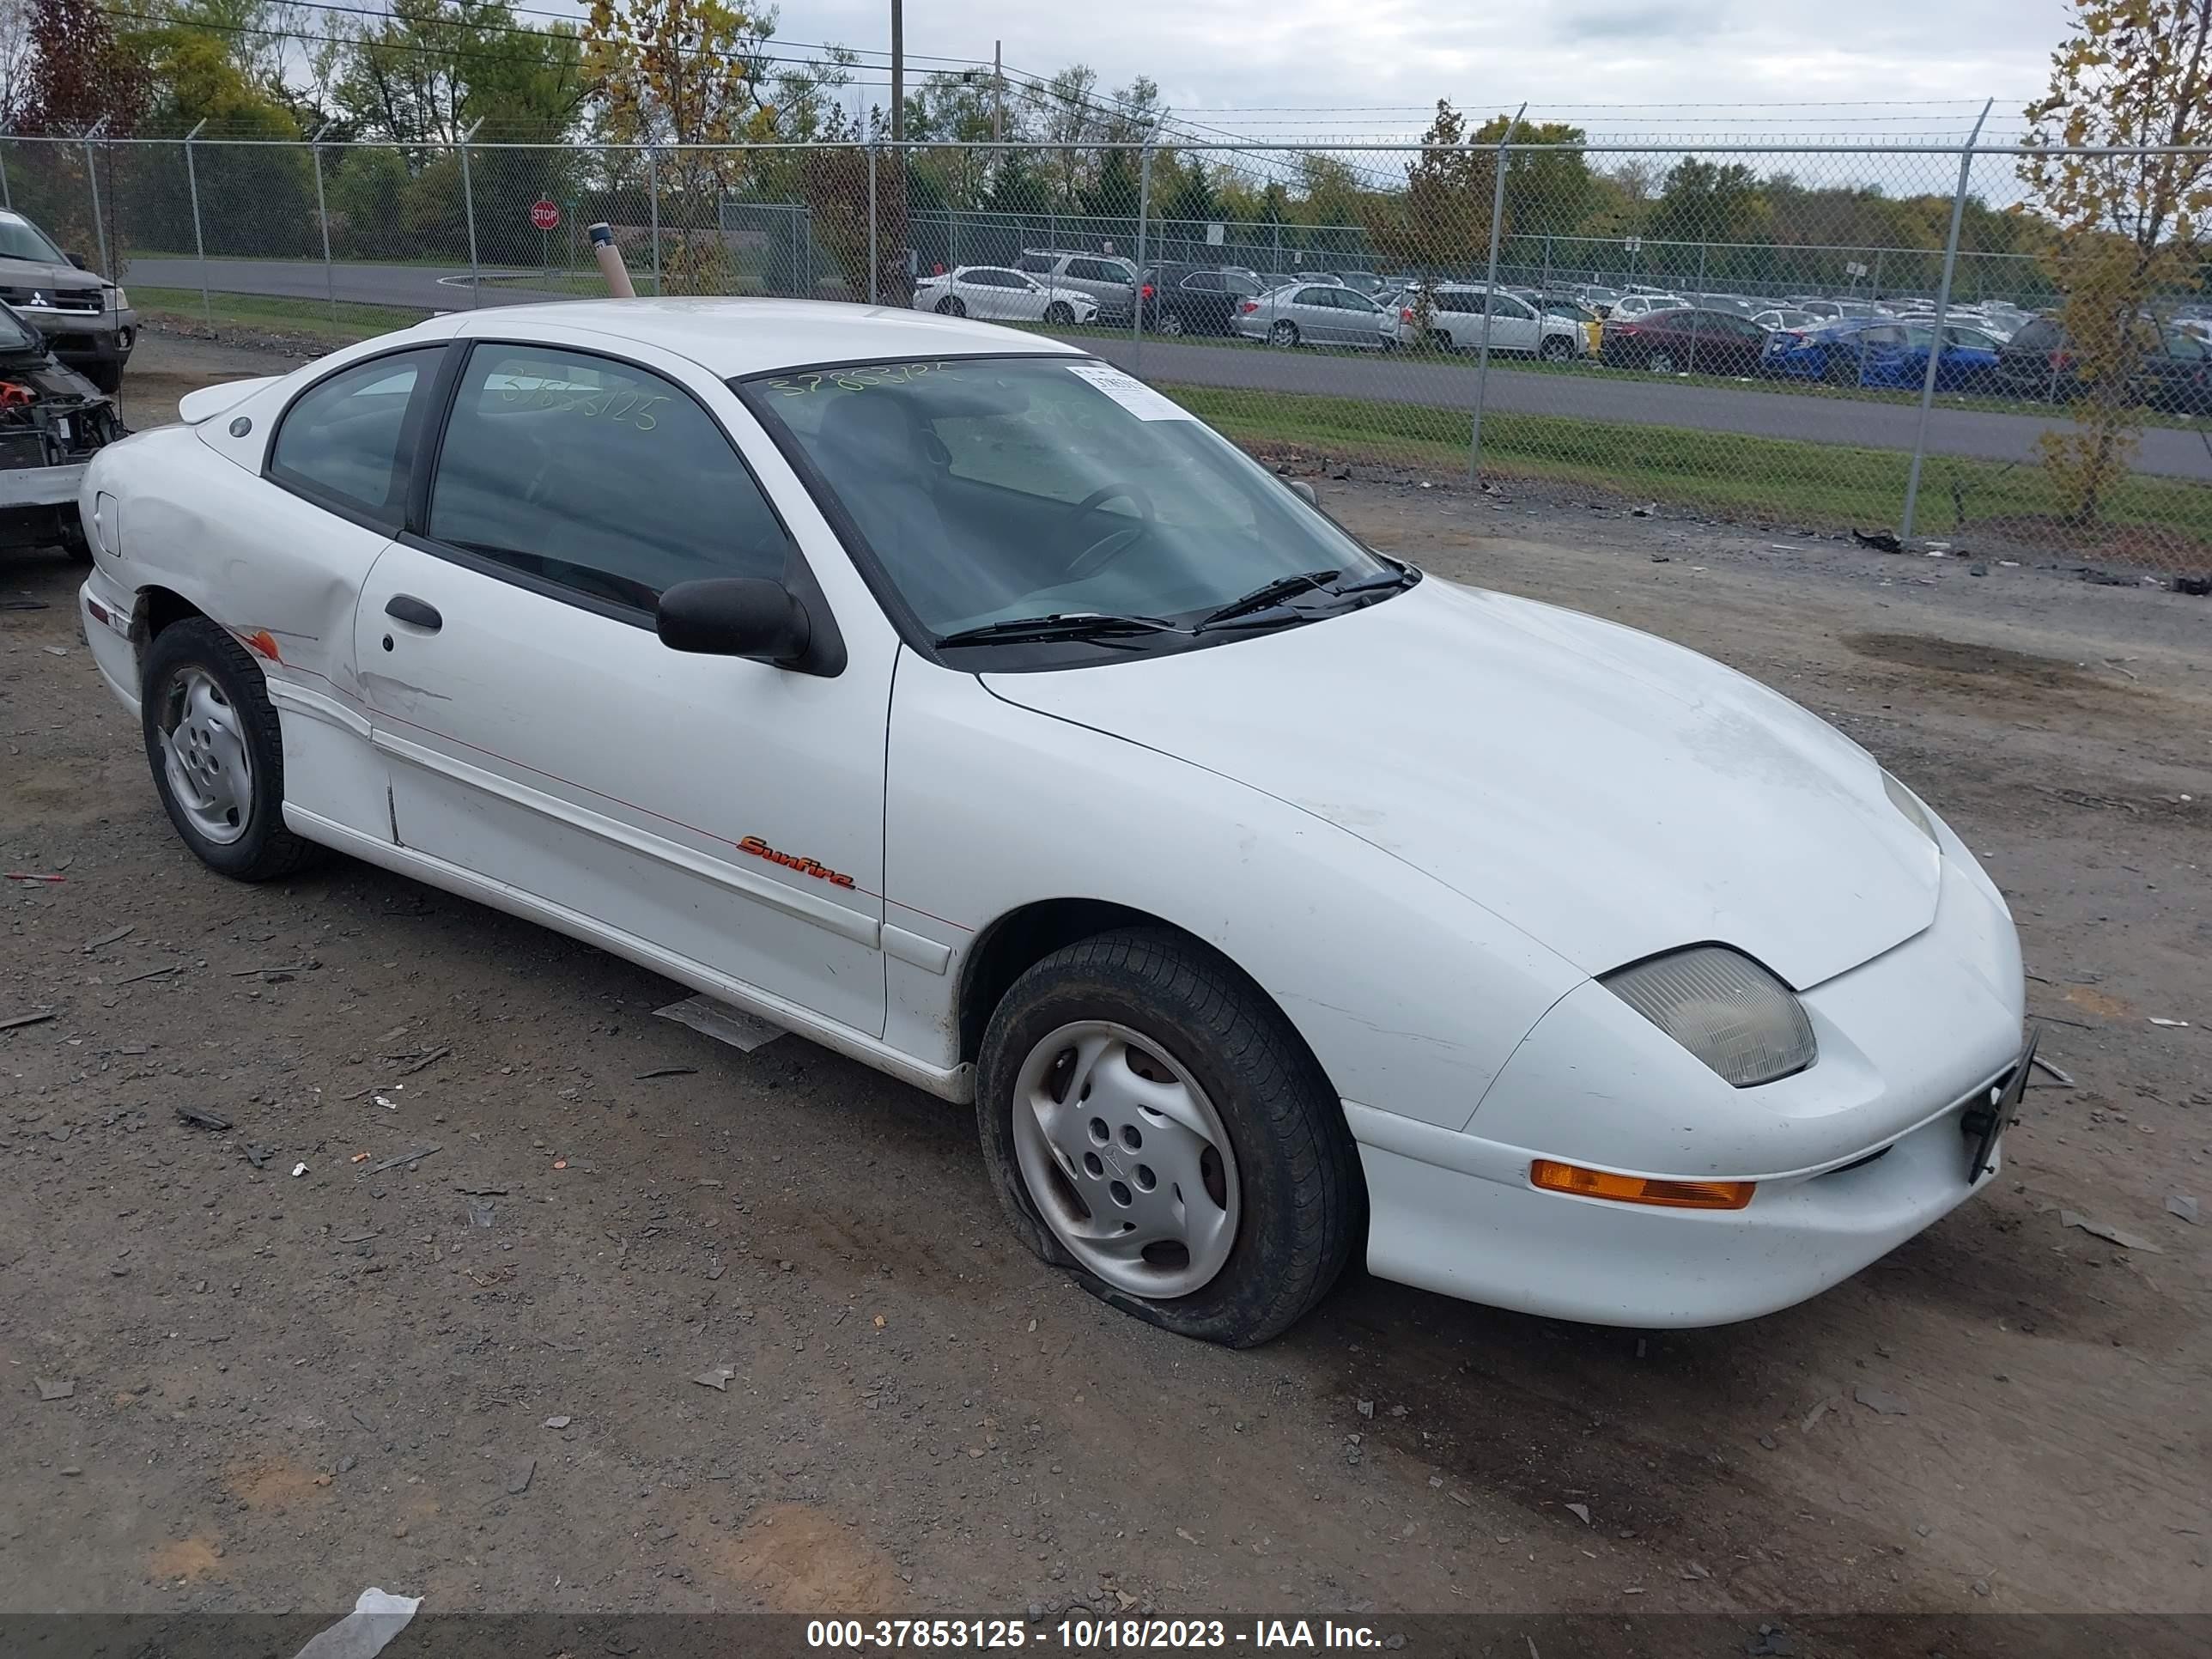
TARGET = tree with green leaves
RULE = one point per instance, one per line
(1439, 224)
(2133, 75)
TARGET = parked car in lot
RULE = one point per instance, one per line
(53, 422)
(1111, 283)
(1631, 306)
(1366, 281)
(1789, 317)
(1454, 323)
(1837, 311)
(85, 320)
(1688, 340)
(2175, 375)
(729, 635)
(1830, 350)
(1316, 314)
(1196, 299)
(1003, 294)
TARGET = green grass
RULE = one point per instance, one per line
(269, 314)
(1766, 478)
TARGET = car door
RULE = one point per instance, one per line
(978, 286)
(1513, 325)
(717, 817)
(339, 463)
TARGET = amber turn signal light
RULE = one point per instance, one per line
(1636, 1190)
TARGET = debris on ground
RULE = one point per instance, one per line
(1879, 1399)
(1881, 540)
(2170, 1024)
(1813, 1418)
(428, 1058)
(724, 1023)
(1692, 1570)
(399, 1158)
(2105, 1229)
(2197, 588)
(122, 932)
(1580, 1512)
(2042, 1065)
(299, 1170)
(15, 1020)
(667, 1071)
(558, 1422)
(258, 1156)
(148, 973)
(201, 1119)
(27, 875)
(2182, 1204)
(517, 1480)
(1772, 1642)
(376, 1617)
(1367, 1408)
(716, 1377)
(481, 1212)
(51, 1389)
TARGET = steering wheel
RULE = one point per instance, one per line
(1115, 543)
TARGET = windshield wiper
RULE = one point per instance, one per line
(1391, 575)
(1269, 594)
(1060, 625)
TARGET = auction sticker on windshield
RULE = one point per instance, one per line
(1132, 394)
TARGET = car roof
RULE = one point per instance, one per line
(737, 337)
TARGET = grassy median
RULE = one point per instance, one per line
(261, 313)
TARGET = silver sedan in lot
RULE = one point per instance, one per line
(1318, 313)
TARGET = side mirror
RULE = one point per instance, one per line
(1305, 492)
(736, 617)
(77, 259)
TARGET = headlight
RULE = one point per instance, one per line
(1909, 804)
(1724, 1008)
(117, 299)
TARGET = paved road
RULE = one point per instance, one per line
(1635, 400)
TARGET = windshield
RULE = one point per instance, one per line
(22, 239)
(16, 334)
(998, 489)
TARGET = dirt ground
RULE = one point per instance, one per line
(473, 1378)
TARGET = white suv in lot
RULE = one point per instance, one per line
(1109, 280)
(1454, 323)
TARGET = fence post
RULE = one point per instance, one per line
(1874, 287)
(1690, 368)
(652, 211)
(200, 242)
(323, 213)
(469, 207)
(1935, 339)
(1137, 306)
(92, 177)
(874, 268)
(1489, 300)
(7, 190)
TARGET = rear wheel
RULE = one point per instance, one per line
(1283, 334)
(1170, 323)
(218, 758)
(1555, 349)
(1150, 1120)
(952, 306)
(1060, 313)
(1660, 362)
(106, 374)
(1440, 339)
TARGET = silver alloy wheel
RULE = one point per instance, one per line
(206, 756)
(1125, 1159)
(1662, 363)
(1283, 334)
(1170, 323)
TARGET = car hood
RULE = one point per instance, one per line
(42, 273)
(1609, 793)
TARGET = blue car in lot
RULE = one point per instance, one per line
(1885, 352)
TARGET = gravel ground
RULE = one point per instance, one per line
(476, 1377)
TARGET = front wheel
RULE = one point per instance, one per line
(218, 759)
(1660, 362)
(1060, 313)
(1283, 334)
(1170, 324)
(1150, 1119)
(951, 306)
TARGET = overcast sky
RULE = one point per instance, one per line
(1221, 62)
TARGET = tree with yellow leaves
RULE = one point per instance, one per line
(684, 76)
(2134, 76)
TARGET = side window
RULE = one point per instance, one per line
(1509, 306)
(340, 440)
(1311, 297)
(2185, 346)
(1203, 281)
(596, 475)
(1040, 263)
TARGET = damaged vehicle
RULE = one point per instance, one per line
(945, 695)
(52, 420)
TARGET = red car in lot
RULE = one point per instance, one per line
(1690, 339)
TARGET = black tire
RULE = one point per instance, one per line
(74, 541)
(1302, 1203)
(1284, 334)
(1839, 368)
(1659, 362)
(1060, 313)
(106, 374)
(1170, 324)
(952, 306)
(1553, 349)
(267, 849)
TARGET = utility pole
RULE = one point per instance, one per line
(898, 72)
(997, 95)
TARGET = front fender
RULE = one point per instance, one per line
(1410, 997)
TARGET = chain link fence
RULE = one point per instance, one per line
(1882, 338)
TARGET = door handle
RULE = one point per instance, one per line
(405, 607)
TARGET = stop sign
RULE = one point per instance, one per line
(544, 214)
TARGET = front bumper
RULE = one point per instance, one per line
(40, 486)
(1851, 1157)
(104, 609)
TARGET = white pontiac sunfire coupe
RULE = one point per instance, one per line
(943, 695)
